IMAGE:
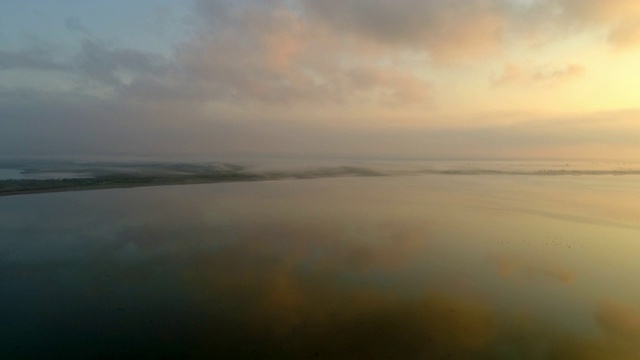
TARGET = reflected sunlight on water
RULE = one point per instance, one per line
(433, 266)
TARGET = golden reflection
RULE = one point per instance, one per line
(290, 291)
(436, 277)
(509, 266)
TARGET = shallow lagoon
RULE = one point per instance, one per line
(431, 266)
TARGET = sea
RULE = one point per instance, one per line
(411, 260)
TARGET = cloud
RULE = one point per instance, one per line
(449, 31)
(271, 54)
(98, 61)
(555, 73)
(454, 32)
(625, 35)
(48, 123)
(548, 74)
(95, 61)
(620, 20)
(315, 76)
(138, 121)
(30, 59)
(390, 86)
(253, 58)
(74, 24)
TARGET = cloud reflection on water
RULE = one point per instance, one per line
(305, 291)
(299, 270)
(509, 266)
(286, 300)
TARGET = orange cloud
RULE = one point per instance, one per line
(620, 19)
(391, 86)
(542, 74)
(275, 56)
(449, 32)
(626, 34)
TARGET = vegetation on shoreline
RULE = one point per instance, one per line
(14, 187)
(107, 176)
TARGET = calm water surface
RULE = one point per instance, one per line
(419, 267)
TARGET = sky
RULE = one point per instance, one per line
(363, 78)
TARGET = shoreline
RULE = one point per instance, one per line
(26, 187)
(123, 185)
(160, 176)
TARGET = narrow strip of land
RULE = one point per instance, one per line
(17, 187)
(110, 176)
(164, 176)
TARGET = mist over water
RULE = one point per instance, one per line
(300, 168)
(433, 265)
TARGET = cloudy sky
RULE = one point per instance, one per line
(376, 78)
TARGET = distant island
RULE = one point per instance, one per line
(15, 187)
(36, 178)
